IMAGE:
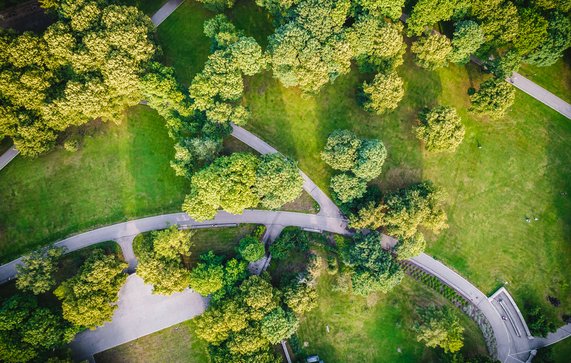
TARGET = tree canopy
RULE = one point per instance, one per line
(384, 93)
(251, 249)
(432, 51)
(493, 98)
(440, 327)
(277, 181)
(440, 129)
(36, 273)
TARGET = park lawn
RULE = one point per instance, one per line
(555, 78)
(374, 329)
(174, 344)
(121, 172)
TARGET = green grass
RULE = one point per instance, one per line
(174, 344)
(121, 172)
(374, 329)
(556, 78)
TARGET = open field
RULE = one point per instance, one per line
(121, 172)
(174, 344)
(521, 170)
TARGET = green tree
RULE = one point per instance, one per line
(228, 183)
(467, 39)
(171, 243)
(418, 205)
(341, 149)
(347, 187)
(279, 325)
(432, 51)
(538, 323)
(440, 129)
(425, 13)
(166, 276)
(384, 93)
(389, 8)
(532, 31)
(557, 41)
(207, 277)
(251, 249)
(504, 66)
(493, 98)
(410, 247)
(217, 5)
(29, 332)
(36, 273)
(300, 298)
(288, 240)
(440, 327)
(277, 181)
(370, 216)
(89, 298)
(370, 159)
(497, 18)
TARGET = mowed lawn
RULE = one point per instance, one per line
(121, 172)
(377, 329)
(521, 170)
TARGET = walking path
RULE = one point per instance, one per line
(165, 11)
(540, 94)
(8, 156)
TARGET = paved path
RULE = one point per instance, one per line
(540, 94)
(8, 156)
(166, 10)
(563, 332)
(139, 313)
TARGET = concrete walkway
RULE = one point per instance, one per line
(540, 94)
(563, 332)
(8, 156)
(165, 11)
(139, 313)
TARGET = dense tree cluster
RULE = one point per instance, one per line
(160, 262)
(242, 180)
(361, 160)
(31, 333)
(89, 298)
(36, 273)
(439, 327)
(440, 129)
(87, 65)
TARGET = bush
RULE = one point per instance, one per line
(251, 249)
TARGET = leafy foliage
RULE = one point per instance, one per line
(251, 249)
(493, 98)
(428, 12)
(300, 298)
(347, 187)
(171, 243)
(36, 273)
(532, 31)
(89, 298)
(207, 276)
(432, 51)
(291, 238)
(410, 247)
(440, 129)
(440, 327)
(279, 325)
(538, 323)
(388, 8)
(557, 40)
(341, 149)
(467, 39)
(277, 181)
(370, 216)
(384, 93)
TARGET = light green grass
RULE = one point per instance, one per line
(556, 78)
(121, 172)
(374, 329)
(174, 344)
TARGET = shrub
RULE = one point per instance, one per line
(251, 249)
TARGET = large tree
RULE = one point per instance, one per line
(347, 187)
(277, 181)
(425, 13)
(341, 149)
(89, 298)
(557, 41)
(440, 327)
(378, 8)
(431, 51)
(467, 39)
(384, 93)
(251, 249)
(440, 129)
(493, 98)
(36, 273)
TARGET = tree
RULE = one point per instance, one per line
(251, 249)
(29, 332)
(374, 269)
(504, 66)
(300, 298)
(248, 56)
(370, 159)
(341, 149)
(36, 273)
(498, 20)
(428, 12)
(384, 93)
(538, 323)
(228, 183)
(89, 298)
(277, 181)
(289, 239)
(557, 41)
(417, 205)
(493, 98)
(166, 276)
(217, 5)
(440, 129)
(432, 51)
(440, 327)
(410, 247)
(279, 325)
(532, 31)
(207, 277)
(467, 39)
(171, 243)
(370, 216)
(347, 187)
(388, 8)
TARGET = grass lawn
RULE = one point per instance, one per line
(522, 169)
(174, 344)
(375, 329)
(556, 78)
(121, 172)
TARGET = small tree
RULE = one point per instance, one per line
(440, 129)
(440, 327)
(384, 93)
(467, 39)
(410, 247)
(493, 98)
(36, 273)
(251, 249)
(171, 243)
(370, 159)
(538, 323)
(347, 187)
(279, 325)
(431, 51)
(217, 5)
(340, 151)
